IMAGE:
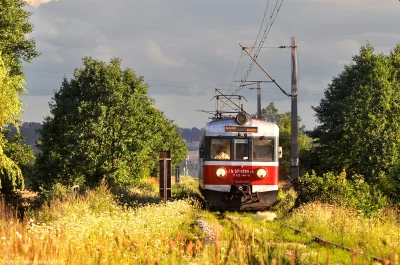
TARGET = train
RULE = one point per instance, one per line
(238, 163)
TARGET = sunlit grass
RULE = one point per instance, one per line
(379, 234)
(95, 229)
(135, 227)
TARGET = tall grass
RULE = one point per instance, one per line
(95, 229)
(134, 227)
(378, 235)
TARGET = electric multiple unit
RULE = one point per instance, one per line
(238, 167)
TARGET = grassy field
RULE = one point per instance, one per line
(120, 227)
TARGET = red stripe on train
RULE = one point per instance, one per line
(239, 173)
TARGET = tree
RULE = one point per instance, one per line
(14, 46)
(14, 26)
(22, 157)
(360, 117)
(283, 120)
(103, 124)
(10, 109)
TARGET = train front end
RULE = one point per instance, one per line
(239, 163)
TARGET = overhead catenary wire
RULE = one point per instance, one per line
(257, 45)
(260, 44)
(262, 23)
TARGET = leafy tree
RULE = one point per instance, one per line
(14, 46)
(14, 26)
(360, 117)
(283, 120)
(22, 155)
(103, 124)
(10, 109)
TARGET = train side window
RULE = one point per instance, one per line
(220, 149)
(241, 149)
(263, 150)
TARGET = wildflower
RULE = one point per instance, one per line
(18, 235)
(268, 216)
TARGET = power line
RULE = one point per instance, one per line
(262, 23)
(260, 45)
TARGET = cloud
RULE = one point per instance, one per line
(158, 56)
(186, 49)
(36, 3)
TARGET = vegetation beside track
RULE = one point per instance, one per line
(133, 227)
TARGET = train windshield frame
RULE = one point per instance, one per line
(261, 149)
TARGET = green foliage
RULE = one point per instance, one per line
(14, 27)
(23, 157)
(285, 202)
(10, 109)
(187, 188)
(390, 184)
(338, 189)
(360, 117)
(103, 124)
(283, 120)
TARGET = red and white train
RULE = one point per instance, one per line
(246, 178)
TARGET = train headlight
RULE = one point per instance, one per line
(262, 173)
(221, 172)
(242, 118)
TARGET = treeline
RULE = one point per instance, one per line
(190, 135)
(30, 131)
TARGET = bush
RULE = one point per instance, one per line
(188, 187)
(390, 184)
(332, 189)
(285, 202)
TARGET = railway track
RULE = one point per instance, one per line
(248, 235)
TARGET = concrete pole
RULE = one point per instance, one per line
(294, 146)
(258, 100)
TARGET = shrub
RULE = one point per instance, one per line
(188, 187)
(390, 184)
(285, 202)
(332, 189)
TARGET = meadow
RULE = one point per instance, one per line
(104, 226)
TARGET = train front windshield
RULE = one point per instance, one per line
(261, 150)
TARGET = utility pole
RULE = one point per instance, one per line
(258, 93)
(258, 101)
(294, 145)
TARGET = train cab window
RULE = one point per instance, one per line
(220, 149)
(241, 149)
(263, 150)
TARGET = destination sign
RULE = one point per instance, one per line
(241, 129)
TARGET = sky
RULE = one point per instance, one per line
(185, 49)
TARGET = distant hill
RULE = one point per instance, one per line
(30, 131)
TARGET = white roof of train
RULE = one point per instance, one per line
(264, 128)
